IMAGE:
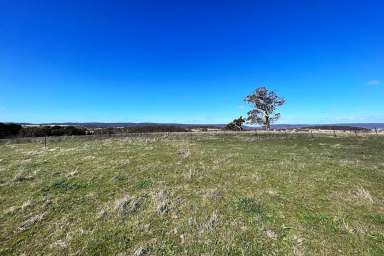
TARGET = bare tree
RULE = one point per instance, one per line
(265, 103)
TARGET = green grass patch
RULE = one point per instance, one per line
(234, 194)
(248, 205)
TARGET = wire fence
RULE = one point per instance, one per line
(258, 134)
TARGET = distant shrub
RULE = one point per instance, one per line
(34, 131)
(9, 130)
(335, 127)
(108, 131)
(140, 129)
(235, 125)
(41, 131)
(156, 128)
(66, 130)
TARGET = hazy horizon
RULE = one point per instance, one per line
(164, 123)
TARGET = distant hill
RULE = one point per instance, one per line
(218, 126)
(358, 125)
(129, 125)
(336, 127)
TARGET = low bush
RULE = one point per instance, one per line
(9, 130)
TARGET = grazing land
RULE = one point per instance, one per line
(236, 194)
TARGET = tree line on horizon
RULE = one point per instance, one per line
(9, 130)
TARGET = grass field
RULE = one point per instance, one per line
(199, 195)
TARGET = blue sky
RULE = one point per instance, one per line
(190, 61)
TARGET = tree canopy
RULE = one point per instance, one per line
(265, 102)
(236, 124)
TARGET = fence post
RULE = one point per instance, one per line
(45, 141)
(334, 133)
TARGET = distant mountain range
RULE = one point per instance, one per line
(359, 125)
(190, 126)
(126, 125)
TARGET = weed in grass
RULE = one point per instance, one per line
(316, 218)
(60, 244)
(63, 186)
(22, 176)
(145, 227)
(162, 202)
(184, 153)
(31, 221)
(362, 194)
(248, 205)
(73, 173)
(127, 205)
(213, 195)
(141, 251)
(272, 193)
(271, 234)
(377, 219)
(358, 195)
(354, 228)
(86, 158)
(27, 204)
(143, 184)
(102, 214)
(11, 210)
(119, 178)
(211, 223)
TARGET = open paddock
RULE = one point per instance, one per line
(222, 193)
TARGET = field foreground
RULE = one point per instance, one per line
(199, 195)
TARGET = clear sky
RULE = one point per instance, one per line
(190, 61)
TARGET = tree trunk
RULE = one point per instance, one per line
(267, 123)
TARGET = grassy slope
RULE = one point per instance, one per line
(232, 195)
